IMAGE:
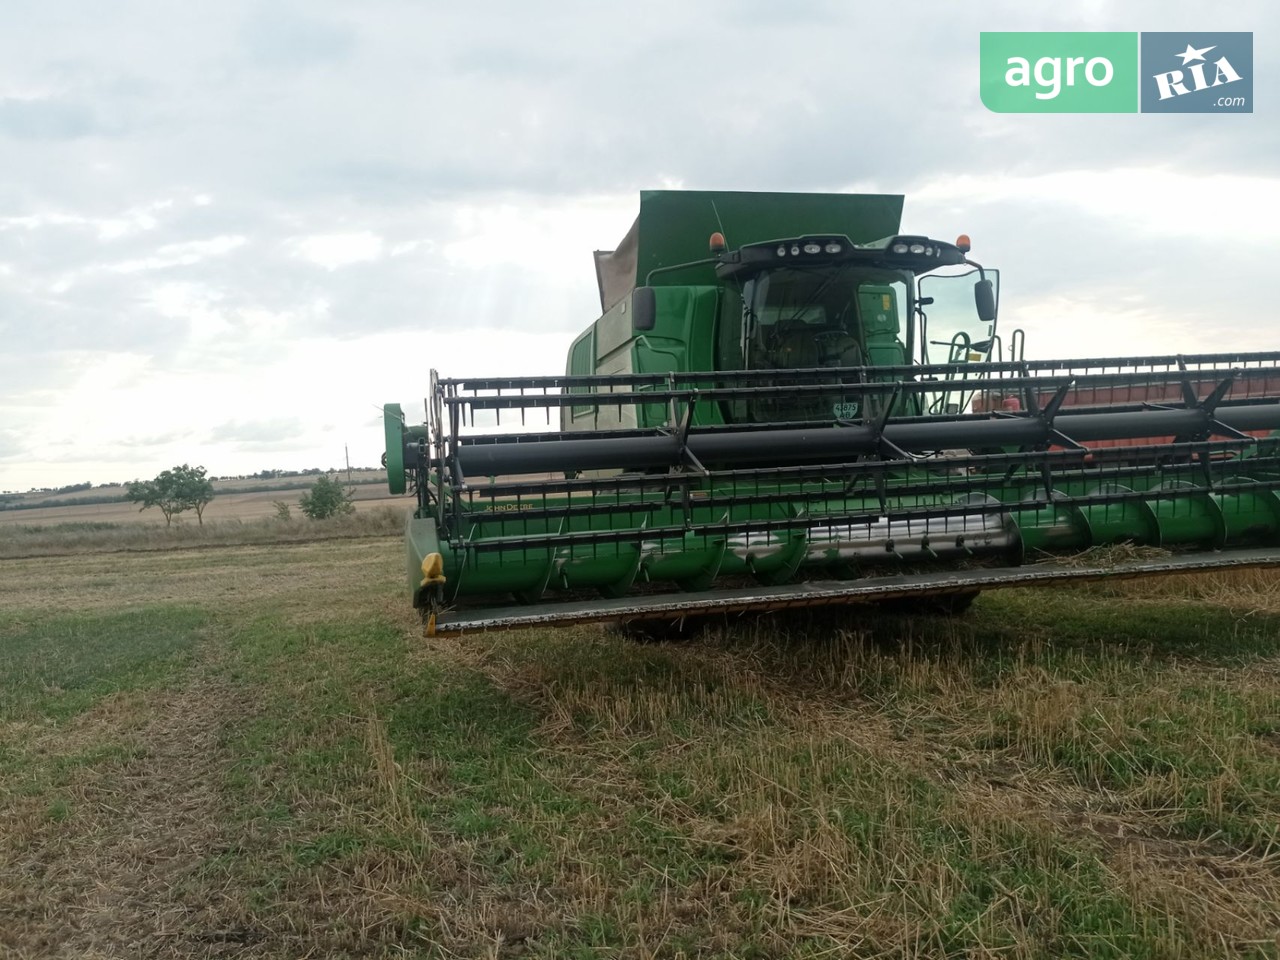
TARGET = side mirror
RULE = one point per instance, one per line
(644, 308)
(984, 298)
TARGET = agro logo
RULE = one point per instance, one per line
(1173, 84)
(1048, 73)
(1197, 73)
(1059, 72)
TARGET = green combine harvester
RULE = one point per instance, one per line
(787, 402)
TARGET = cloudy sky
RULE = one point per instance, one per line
(229, 232)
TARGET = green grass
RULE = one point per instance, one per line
(1079, 773)
(684, 779)
(60, 666)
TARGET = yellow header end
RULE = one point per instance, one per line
(432, 569)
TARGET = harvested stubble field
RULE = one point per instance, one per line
(251, 751)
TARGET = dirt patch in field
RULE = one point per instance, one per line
(120, 836)
(110, 869)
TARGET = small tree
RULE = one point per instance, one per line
(327, 498)
(182, 488)
(194, 487)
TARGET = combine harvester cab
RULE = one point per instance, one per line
(822, 414)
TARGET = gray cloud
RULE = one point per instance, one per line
(256, 432)
(398, 102)
(281, 37)
(153, 440)
(39, 119)
(137, 138)
(12, 445)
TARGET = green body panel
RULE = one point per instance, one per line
(683, 338)
(882, 328)
(674, 225)
(697, 318)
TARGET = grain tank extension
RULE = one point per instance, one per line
(787, 401)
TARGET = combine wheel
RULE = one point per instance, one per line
(672, 630)
(943, 604)
(951, 604)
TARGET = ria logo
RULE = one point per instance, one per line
(1197, 73)
(1171, 84)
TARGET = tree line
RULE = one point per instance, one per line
(186, 487)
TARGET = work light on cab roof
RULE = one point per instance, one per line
(817, 408)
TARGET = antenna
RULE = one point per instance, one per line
(720, 223)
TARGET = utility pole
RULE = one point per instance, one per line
(347, 450)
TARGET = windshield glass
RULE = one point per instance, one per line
(837, 316)
(954, 334)
(821, 317)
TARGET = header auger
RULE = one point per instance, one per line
(765, 427)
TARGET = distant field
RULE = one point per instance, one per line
(251, 751)
(226, 505)
(281, 488)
